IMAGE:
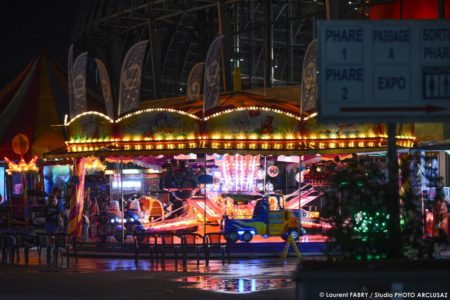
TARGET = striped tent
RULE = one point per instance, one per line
(32, 104)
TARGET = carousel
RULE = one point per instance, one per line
(252, 167)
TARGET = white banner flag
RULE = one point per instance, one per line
(130, 78)
(211, 89)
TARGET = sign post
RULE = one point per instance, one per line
(385, 71)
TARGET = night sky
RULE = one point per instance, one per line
(29, 26)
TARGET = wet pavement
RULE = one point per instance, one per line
(110, 278)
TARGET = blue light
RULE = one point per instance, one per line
(241, 285)
(132, 219)
(112, 220)
(252, 232)
(240, 232)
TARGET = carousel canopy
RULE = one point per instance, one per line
(30, 107)
(244, 123)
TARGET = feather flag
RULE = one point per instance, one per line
(211, 88)
(194, 82)
(309, 87)
(130, 78)
(106, 87)
(78, 78)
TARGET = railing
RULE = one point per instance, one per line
(158, 245)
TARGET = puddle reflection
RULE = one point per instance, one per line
(236, 285)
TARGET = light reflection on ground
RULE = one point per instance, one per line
(236, 285)
(241, 276)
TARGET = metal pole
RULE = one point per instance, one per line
(394, 205)
(121, 199)
(268, 44)
(299, 195)
(204, 195)
(265, 173)
(152, 60)
(219, 21)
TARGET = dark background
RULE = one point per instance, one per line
(28, 27)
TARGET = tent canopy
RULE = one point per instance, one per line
(34, 104)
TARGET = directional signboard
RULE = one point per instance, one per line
(382, 71)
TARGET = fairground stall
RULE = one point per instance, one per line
(248, 168)
(31, 115)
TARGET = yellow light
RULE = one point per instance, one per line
(90, 113)
(157, 110)
(22, 166)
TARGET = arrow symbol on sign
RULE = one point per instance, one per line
(426, 108)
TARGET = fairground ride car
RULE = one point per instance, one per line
(265, 222)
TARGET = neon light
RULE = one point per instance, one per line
(91, 113)
(131, 171)
(157, 110)
(22, 166)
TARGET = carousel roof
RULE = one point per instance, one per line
(245, 123)
(240, 99)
